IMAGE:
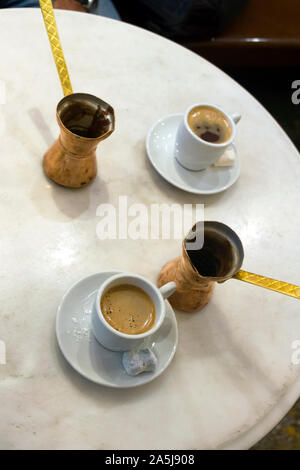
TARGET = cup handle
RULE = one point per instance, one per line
(236, 117)
(168, 289)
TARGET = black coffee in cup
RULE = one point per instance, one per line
(209, 124)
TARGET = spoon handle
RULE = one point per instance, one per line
(59, 59)
(268, 283)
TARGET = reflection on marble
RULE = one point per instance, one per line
(232, 379)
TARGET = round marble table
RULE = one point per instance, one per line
(232, 378)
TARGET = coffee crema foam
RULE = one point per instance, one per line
(128, 309)
(209, 124)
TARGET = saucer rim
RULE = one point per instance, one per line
(189, 189)
(81, 372)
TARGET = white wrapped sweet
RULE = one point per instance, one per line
(136, 362)
(227, 159)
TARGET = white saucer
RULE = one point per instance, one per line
(160, 147)
(87, 356)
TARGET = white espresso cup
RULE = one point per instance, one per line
(115, 340)
(194, 153)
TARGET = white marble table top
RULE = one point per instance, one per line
(232, 378)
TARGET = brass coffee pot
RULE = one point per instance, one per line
(211, 252)
(84, 121)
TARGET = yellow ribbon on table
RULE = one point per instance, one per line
(51, 28)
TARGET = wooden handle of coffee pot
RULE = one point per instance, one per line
(268, 283)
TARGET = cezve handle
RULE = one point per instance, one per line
(58, 55)
(278, 286)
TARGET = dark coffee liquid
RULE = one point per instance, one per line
(83, 120)
(81, 132)
(215, 258)
(208, 135)
(209, 124)
(206, 263)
